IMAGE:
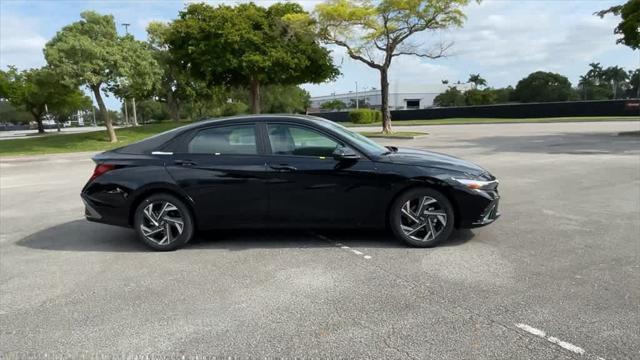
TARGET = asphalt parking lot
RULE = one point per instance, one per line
(557, 277)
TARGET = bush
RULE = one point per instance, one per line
(234, 108)
(378, 115)
(365, 116)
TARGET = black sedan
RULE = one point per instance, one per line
(284, 171)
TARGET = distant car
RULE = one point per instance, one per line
(284, 171)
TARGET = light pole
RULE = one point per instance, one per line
(357, 102)
(133, 99)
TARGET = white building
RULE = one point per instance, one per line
(401, 97)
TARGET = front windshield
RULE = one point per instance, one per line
(362, 141)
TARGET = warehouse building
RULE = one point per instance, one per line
(400, 97)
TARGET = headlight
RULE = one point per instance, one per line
(476, 184)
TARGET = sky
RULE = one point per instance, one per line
(502, 40)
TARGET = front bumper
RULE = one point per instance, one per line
(476, 207)
(490, 213)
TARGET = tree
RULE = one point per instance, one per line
(477, 81)
(248, 45)
(594, 85)
(173, 83)
(543, 86)
(150, 110)
(634, 84)
(40, 90)
(361, 104)
(89, 52)
(11, 114)
(285, 99)
(451, 97)
(138, 72)
(480, 97)
(629, 26)
(615, 76)
(334, 104)
(376, 33)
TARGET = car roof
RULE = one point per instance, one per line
(156, 141)
(260, 118)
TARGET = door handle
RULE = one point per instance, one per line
(185, 163)
(283, 167)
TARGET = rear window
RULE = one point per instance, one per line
(237, 139)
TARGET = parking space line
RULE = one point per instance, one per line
(341, 246)
(554, 340)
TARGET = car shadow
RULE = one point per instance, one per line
(81, 235)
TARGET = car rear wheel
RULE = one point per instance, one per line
(422, 217)
(163, 222)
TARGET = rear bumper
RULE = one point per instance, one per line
(104, 213)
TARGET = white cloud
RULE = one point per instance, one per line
(20, 43)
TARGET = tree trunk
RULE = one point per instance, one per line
(105, 115)
(135, 114)
(255, 96)
(38, 118)
(384, 91)
(172, 104)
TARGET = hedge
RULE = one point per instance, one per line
(365, 116)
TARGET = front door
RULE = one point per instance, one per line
(223, 170)
(308, 187)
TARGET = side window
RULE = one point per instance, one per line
(294, 140)
(237, 139)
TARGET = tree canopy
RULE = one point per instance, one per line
(376, 32)
(248, 45)
(629, 26)
(334, 104)
(40, 90)
(90, 52)
(543, 86)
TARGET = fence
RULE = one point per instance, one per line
(629, 107)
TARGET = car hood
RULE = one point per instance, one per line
(408, 156)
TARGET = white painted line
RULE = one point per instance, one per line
(341, 246)
(566, 345)
(563, 344)
(531, 330)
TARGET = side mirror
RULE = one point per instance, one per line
(343, 153)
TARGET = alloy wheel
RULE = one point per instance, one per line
(162, 222)
(422, 218)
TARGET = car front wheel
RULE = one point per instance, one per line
(163, 222)
(422, 217)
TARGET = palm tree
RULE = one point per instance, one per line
(477, 80)
(585, 83)
(616, 76)
(595, 73)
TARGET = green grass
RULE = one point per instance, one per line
(55, 142)
(395, 134)
(458, 121)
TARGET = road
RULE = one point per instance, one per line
(557, 277)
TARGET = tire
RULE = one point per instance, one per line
(161, 214)
(414, 228)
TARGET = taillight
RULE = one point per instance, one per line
(101, 169)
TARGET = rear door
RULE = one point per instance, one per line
(222, 168)
(308, 187)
